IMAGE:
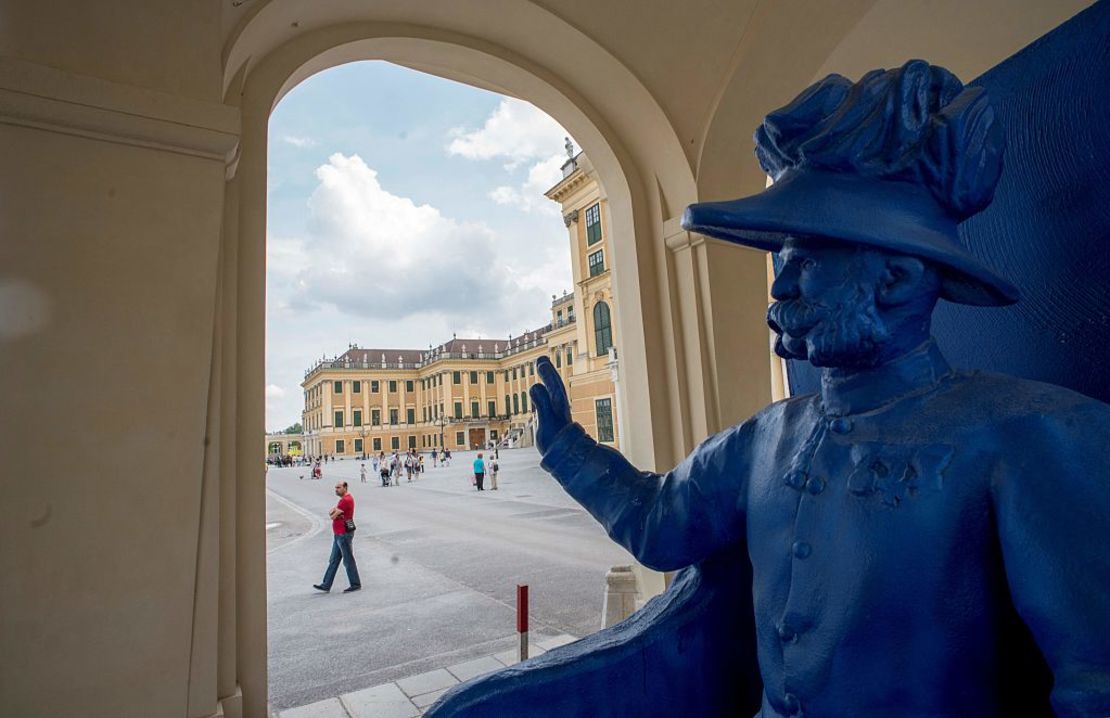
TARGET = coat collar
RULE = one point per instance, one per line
(859, 391)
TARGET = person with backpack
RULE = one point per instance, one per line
(493, 469)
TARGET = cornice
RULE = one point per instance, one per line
(566, 185)
(41, 97)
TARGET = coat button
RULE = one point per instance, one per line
(801, 549)
(790, 704)
(786, 633)
(796, 479)
(841, 425)
(815, 485)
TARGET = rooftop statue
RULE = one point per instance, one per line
(922, 541)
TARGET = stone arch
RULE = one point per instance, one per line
(631, 143)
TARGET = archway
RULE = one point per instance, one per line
(642, 169)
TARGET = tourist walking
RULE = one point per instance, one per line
(342, 528)
(362, 473)
(479, 471)
(383, 469)
(493, 469)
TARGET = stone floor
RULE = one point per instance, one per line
(411, 696)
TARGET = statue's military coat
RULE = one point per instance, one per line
(898, 523)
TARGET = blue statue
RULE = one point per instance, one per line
(912, 541)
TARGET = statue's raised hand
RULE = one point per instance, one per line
(551, 403)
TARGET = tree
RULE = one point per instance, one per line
(294, 429)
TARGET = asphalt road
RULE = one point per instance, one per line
(439, 564)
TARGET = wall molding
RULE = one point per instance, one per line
(46, 98)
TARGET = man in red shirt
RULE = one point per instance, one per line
(343, 512)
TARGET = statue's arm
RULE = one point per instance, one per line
(1051, 500)
(667, 521)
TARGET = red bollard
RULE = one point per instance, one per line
(522, 619)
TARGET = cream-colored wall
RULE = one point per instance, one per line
(128, 257)
(111, 250)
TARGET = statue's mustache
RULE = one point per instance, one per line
(795, 317)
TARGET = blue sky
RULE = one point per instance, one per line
(402, 208)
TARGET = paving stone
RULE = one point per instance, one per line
(425, 701)
(330, 708)
(478, 666)
(384, 701)
(427, 682)
(560, 640)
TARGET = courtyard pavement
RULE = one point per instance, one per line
(439, 564)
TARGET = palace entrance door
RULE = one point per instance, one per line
(477, 438)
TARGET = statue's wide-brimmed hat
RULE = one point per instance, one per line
(895, 161)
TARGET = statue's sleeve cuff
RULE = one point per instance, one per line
(568, 452)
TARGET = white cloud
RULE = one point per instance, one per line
(371, 253)
(273, 391)
(518, 131)
(299, 142)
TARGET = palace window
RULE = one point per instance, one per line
(410, 416)
(375, 386)
(474, 412)
(473, 377)
(412, 441)
(338, 417)
(408, 385)
(508, 406)
(489, 377)
(491, 407)
(356, 419)
(603, 329)
(597, 263)
(356, 388)
(456, 377)
(531, 368)
(340, 446)
(458, 410)
(358, 446)
(570, 357)
(516, 404)
(377, 443)
(392, 386)
(375, 417)
(337, 387)
(460, 438)
(558, 359)
(395, 442)
(506, 375)
(524, 402)
(393, 417)
(603, 409)
(593, 224)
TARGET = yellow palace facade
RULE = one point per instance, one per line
(469, 393)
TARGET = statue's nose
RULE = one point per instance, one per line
(785, 285)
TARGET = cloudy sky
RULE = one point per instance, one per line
(402, 208)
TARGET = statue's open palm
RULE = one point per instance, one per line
(551, 402)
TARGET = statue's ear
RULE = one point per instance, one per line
(901, 281)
